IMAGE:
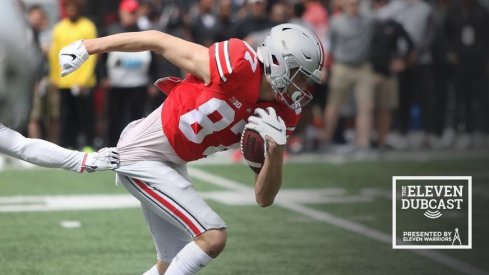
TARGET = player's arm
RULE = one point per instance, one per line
(272, 128)
(47, 154)
(188, 56)
(269, 180)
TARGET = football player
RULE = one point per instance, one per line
(47, 154)
(204, 113)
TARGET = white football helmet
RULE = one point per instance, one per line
(292, 56)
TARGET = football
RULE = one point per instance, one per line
(253, 149)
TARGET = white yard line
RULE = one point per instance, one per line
(64, 203)
(339, 222)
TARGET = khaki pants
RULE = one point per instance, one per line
(346, 79)
(386, 91)
(45, 101)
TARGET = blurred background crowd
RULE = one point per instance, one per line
(400, 75)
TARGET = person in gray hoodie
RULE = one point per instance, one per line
(350, 36)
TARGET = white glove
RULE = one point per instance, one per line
(72, 57)
(267, 123)
(104, 159)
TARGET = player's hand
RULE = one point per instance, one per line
(72, 57)
(104, 159)
(268, 124)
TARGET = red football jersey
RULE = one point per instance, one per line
(200, 119)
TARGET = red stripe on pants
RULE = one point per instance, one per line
(169, 206)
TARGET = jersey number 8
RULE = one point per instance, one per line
(200, 116)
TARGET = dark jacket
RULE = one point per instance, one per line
(386, 43)
(467, 32)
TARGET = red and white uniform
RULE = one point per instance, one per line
(200, 119)
(196, 120)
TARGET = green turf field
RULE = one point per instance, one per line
(330, 219)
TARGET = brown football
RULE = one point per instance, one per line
(253, 149)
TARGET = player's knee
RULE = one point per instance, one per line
(212, 241)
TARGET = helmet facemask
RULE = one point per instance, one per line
(292, 57)
(292, 90)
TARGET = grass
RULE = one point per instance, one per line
(261, 241)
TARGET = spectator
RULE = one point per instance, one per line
(387, 59)
(127, 76)
(278, 13)
(76, 90)
(203, 25)
(416, 82)
(172, 22)
(443, 78)
(16, 82)
(468, 39)
(225, 22)
(307, 136)
(316, 15)
(256, 20)
(350, 36)
(298, 11)
(38, 22)
(45, 109)
(101, 13)
(148, 15)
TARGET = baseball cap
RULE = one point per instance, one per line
(129, 5)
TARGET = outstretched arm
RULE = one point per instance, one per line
(47, 154)
(188, 56)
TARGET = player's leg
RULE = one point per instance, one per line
(47, 154)
(198, 253)
(176, 247)
(38, 151)
(168, 240)
(166, 190)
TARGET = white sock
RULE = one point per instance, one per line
(152, 271)
(189, 260)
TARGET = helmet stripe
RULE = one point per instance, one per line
(321, 54)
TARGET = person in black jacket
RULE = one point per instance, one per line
(443, 77)
(466, 28)
(391, 45)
